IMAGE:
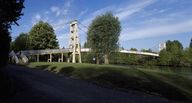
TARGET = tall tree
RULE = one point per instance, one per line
(10, 12)
(146, 50)
(103, 35)
(21, 42)
(187, 57)
(172, 54)
(85, 45)
(190, 46)
(133, 49)
(42, 36)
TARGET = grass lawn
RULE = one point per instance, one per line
(175, 86)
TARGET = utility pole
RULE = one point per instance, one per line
(74, 43)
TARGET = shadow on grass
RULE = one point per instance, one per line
(42, 67)
(86, 73)
(163, 88)
(53, 68)
(117, 79)
(151, 85)
(67, 71)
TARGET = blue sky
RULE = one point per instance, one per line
(145, 23)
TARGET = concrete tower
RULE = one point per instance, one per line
(162, 46)
(74, 43)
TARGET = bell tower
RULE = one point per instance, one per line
(74, 43)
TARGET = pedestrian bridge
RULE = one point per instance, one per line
(140, 53)
(23, 55)
(74, 49)
(67, 50)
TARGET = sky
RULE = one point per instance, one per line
(145, 23)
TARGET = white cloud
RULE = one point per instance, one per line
(62, 13)
(63, 39)
(56, 10)
(62, 36)
(156, 26)
(59, 12)
(103, 10)
(154, 31)
(61, 24)
(82, 13)
(150, 24)
(68, 3)
(37, 17)
(157, 21)
(65, 10)
(126, 11)
(91, 16)
(122, 12)
(57, 16)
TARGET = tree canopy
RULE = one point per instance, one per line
(42, 36)
(133, 49)
(190, 46)
(172, 54)
(21, 42)
(103, 35)
(10, 12)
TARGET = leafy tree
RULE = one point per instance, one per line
(42, 36)
(21, 42)
(165, 57)
(10, 12)
(146, 50)
(190, 43)
(86, 45)
(133, 49)
(187, 57)
(103, 35)
(170, 45)
(172, 54)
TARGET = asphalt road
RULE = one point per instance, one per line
(36, 86)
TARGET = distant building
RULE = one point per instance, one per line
(162, 46)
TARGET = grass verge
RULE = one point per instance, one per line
(171, 85)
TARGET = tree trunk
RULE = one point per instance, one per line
(5, 83)
(4, 46)
(106, 59)
(97, 59)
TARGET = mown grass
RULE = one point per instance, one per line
(171, 85)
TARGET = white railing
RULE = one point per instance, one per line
(139, 52)
(48, 51)
(67, 50)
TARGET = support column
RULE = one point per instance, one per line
(50, 57)
(68, 58)
(61, 57)
(80, 59)
(79, 52)
(73, 60)
(37, 57)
